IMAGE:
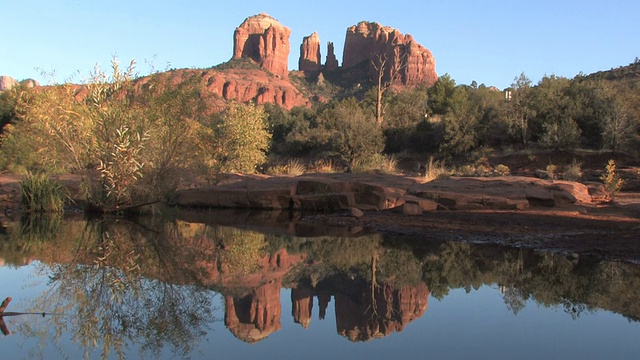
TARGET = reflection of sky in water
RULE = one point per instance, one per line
(473, 325)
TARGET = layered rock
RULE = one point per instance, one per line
(264, 40)
(241, 85)
(341, 192)
(406, 62)
(310, 57)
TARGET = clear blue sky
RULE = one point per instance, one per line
(487, 41)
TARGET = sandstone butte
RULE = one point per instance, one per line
(265, 41)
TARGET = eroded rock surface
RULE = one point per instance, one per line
(264, 40)
(310, 58)
(408, 62)
(341, 192)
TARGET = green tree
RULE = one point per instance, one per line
(240, 139)
(518, 109)
(354, 135)
(440, 95)
(459, 124)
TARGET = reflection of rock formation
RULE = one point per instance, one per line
(302, 305)
(359, 317)
(256, 315)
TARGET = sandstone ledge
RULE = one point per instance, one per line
(330, 193)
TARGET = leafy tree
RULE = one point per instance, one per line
(518, 109)
(620, 118)
(353, 134)
(240, 139)
(440, 95)
(459, 124)
(405, 110)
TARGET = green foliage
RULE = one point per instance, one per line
(459, 125)
(612, 181)
(240, 139)
(562, 134)
(240, 63)
(352, 134)
(41, 194)
(519, 110)
(242, 250)
(440, 95)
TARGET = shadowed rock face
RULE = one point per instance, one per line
(266, 41)
(413, 63)
(331, 63)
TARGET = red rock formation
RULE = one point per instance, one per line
(302, 305)
(266, 41)
(408, 62)
(360, 318)
(241, 85)
(331, 63)
(310, 53)
(256, 315)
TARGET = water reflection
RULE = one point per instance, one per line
(153, 282)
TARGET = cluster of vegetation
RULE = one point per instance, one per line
(133, 140)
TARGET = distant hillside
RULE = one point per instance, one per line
(622, 73)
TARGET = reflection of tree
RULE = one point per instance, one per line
(113, 304)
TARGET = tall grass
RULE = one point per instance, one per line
(376, 163)
(41, 194)
(435, 170)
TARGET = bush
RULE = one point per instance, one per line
(501, 170)
(240, 139)
(612, 181)
(41, 194)
(573, 172)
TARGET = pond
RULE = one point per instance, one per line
(197, 287)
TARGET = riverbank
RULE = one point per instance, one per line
(569, 217)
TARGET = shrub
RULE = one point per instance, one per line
(612, 181)
(240, 139)
(501, 170)
(573, 172)
(41, 194)
(551, 171)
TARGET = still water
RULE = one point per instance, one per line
(193, 288)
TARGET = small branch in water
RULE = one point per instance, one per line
(4, 305)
